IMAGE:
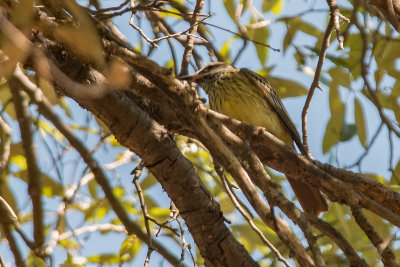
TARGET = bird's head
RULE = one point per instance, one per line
(209, 74)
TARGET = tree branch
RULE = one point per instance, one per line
(34, 175)
(45, 108)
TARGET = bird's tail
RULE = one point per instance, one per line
(310, 197)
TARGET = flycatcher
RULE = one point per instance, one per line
(247, 96)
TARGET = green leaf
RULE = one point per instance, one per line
(226, 204)
(230, 7)
(340, 76)
(20, 161)
(379, 73)
(159, 213)
(360, 122)
(106, 258)
(395, 178)
(92, 186)
(287, 88)
(226, 48)
(148, 181)
(260, 35)
(71, 265)
(336, 106)
(354, 42)
(348, 131)
(331, 137)
(387, 56)
(7, 194)
(396, 107)
(272, 5)
(277, 7)
(308, 28)
(50, 186)
(129, 248)
(47, 128)
(34, 261)
(64, 105)
(290, 34)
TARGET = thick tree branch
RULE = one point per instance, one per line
(166, 163)
(46, 109)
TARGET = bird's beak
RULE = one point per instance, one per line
(190, 78)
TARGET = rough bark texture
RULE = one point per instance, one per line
(136, 130)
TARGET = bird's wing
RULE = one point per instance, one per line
(275, 102)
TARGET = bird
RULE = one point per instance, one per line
(247, 96)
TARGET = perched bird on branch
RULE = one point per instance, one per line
(247, 96)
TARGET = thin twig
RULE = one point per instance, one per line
(140, 31)
(175, 217)
(372, 93)
(241, 36)
(315, 83)
(187, 54)
(340, 241)
(248, 218)
(367, 149)
(137, 172)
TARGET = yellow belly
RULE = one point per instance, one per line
(254, 112)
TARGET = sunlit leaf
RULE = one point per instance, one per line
(106, 258)
(331, 137)
(159, 213)
(50, 186)
(376, 177)
(271, 5)
(340, 76)
(20, 161)
(71, 265)
(64, 105)
(48, 90)
(396, 107)
(35, 261)
(69, 244)
(226, 205)
(148, 182)
(226, 48)
(308, 28)
(260, 35)
(354, 42)
(49, 129)
(287, 88)
(230, 7)
(289, 36)
(360, 122)
(92, 186)
(395, 178)
(129, 248)
(379, 73)
(337, 107)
